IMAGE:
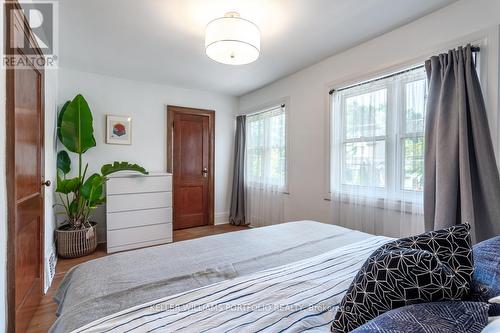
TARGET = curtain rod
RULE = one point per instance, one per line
(474, 49)
(279, 106)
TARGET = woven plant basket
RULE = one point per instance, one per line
(76, 243)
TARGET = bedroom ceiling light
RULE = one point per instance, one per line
(232, 40)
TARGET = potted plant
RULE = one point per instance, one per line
(80, 195)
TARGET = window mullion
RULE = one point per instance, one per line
(399, 135)
(391, 135)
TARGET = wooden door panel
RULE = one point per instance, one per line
(191, 151)
(192, 208)
(192, 198)
(28, 211)
(190, 139)
(27, 264)
(27, 116)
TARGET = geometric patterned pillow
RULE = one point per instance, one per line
(442, 317)
(436, 266)
(451, 245)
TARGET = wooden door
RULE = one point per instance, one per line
(25, 160)
(192, 166)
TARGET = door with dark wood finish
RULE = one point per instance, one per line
(191, 146)
(25, 160)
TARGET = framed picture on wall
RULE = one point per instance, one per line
(118, 130)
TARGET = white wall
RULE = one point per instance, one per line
(146, 104)
(308, 90)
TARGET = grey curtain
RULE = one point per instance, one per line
(237, 210)
(462, 184)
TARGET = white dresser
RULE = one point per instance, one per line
(138, 210)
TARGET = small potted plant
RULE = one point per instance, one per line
(80, 195)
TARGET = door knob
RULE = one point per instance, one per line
(46, 183)
(204, 172)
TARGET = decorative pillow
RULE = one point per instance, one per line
(486, 277)
(451, 245)
(442, 317)
(431, 267)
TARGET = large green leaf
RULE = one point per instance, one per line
(67, 186)
(63, 162)
(92, 189)
(59, 119)
(108, 169)
(76, 131)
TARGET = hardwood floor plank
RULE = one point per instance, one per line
(192, 233)
(45, 313)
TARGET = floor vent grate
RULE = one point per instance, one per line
(52, 266)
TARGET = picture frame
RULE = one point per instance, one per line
(118, 130)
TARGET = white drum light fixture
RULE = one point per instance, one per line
(232, 40)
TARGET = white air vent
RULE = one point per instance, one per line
(52, 266)
(50, 269)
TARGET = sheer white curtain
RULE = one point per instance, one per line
(377, 155)
(265, 179)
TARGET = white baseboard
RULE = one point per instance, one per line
(221, 218)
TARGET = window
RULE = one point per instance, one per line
(412, 135)
(377, 146)
(266, 148)
(364, 137)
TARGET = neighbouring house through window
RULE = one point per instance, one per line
(378, 136)
(377, 154)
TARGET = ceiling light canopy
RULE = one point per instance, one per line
(232, 40)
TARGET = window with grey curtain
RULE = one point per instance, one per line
(266, 167)
(462, 184)
(237, 210)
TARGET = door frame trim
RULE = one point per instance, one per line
(11, 166)
(173, 109)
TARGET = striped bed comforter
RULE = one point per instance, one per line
(296, 297)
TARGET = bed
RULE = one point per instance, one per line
(157, 282)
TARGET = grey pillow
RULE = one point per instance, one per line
(442, 317)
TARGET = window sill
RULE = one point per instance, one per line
(269, 187)
(377, 201)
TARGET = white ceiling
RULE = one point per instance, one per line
(162, 41)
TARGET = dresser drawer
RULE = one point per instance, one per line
(138, 184)
(136, 201)
(137, 218)
(131, 236)
(138, 245)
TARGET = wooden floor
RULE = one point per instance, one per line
(192, 233)
(45, 313)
